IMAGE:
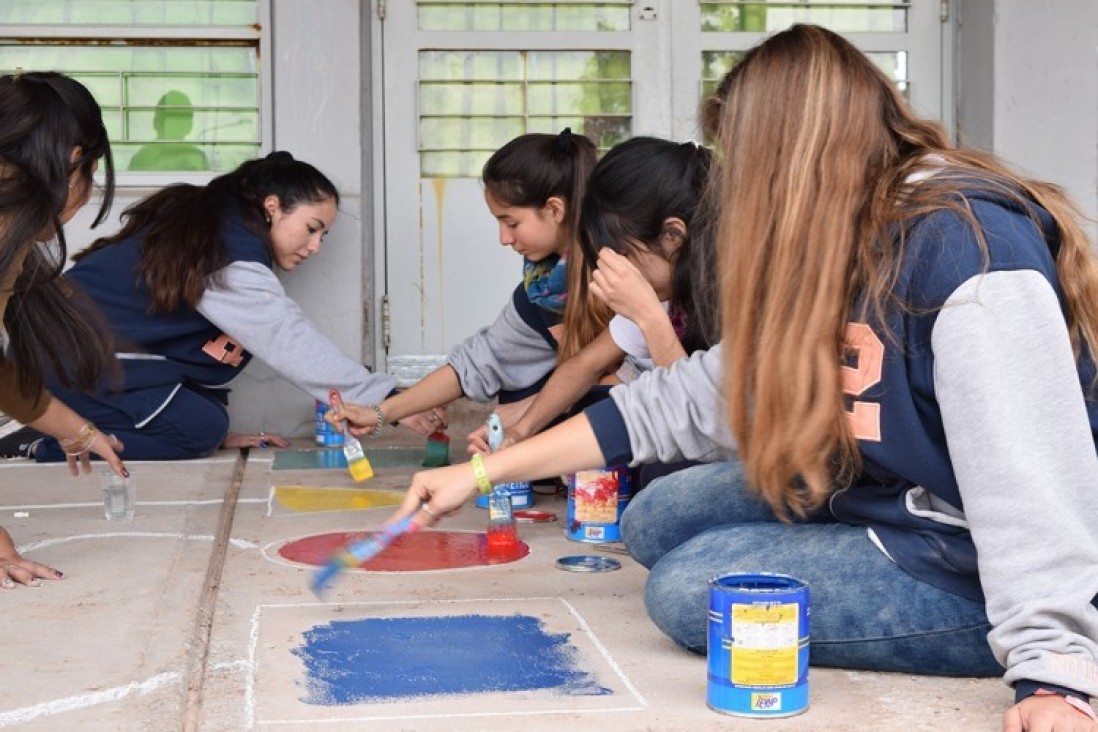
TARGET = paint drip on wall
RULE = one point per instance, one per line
(378, 660)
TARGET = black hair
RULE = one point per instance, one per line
(44, 117)
(634, 189)
(532, 168)
(180, 226)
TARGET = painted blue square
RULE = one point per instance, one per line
(388, 659)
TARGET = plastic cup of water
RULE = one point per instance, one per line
(119, 496)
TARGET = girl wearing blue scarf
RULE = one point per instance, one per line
(533, 186)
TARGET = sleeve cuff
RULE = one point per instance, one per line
(1026, 688)
(610, 431)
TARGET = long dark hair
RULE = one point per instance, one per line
(637, 186)
(182, 248)
(44, 116)
(527, 172)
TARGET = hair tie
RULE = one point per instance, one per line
(564, 140)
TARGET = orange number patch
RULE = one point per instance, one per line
(864, 417)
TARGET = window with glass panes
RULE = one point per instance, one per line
(178, 80)
(850, 17)
(473, 100)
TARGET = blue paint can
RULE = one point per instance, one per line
(326, 434)
(596, 499)
(758, 645)
(522, 495)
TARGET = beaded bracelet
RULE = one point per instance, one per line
(380, 420)
(483, 484)
(81, 442)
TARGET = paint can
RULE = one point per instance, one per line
(522, 495)
(758, 645)
(596, 499)
(326, 434)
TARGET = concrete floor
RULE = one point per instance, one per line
(186, 617)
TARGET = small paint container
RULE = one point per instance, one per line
(596, 499)
(758, 645)
(326, 434)
(522, 495)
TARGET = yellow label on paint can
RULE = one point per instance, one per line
(764, 646)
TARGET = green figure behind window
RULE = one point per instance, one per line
(173, 121)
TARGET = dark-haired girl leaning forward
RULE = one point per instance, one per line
(189, 288)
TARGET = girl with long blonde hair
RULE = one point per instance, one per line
(904, 396)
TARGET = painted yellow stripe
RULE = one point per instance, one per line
(308, 498)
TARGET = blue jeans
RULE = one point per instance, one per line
(866, 612)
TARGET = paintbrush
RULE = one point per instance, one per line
(438, 450)
(358, 553)
(352, 449)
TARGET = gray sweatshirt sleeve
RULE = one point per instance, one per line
(678, 412)
(508, 354)
(1024, 457)
(254, 310)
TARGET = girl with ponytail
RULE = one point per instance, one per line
(189, 288)
(533, 186)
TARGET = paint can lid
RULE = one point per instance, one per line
(532, 516)
(588, 563)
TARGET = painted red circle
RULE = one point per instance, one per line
(421, 551)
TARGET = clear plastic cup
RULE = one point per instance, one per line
(119, 496)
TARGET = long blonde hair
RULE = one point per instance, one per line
(817, 144)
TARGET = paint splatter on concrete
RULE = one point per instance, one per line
(418, 552)
(312, 499)
(378, 660)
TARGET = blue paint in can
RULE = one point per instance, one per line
(596, 499)
(326, 434)
(758, 645)
(522, 495)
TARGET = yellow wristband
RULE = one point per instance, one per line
(483, 484)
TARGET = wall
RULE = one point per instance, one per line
(317, 117)
(1043, 96)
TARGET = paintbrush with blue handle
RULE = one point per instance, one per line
(358, 553)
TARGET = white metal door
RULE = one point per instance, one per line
(475, 73)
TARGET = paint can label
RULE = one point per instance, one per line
(758, 645)
(326, 434)
(596, 499)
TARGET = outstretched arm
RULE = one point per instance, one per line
(566, 448)
(569, 382)
(435, 390)
(79, 438)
